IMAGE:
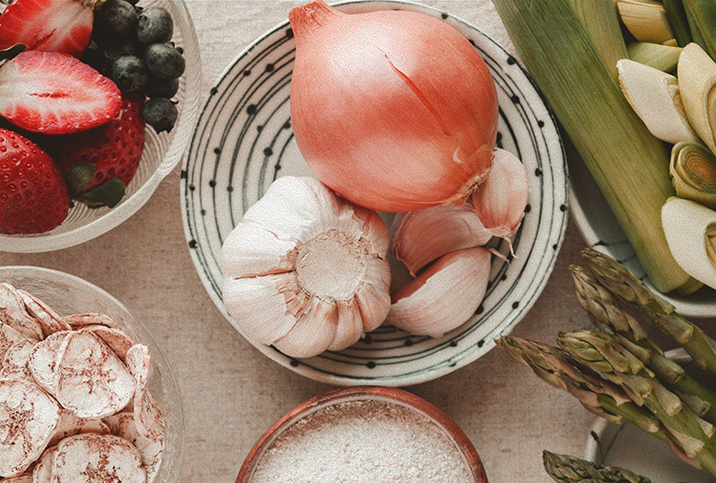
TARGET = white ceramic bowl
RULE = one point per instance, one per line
(244, 141)
(162, 153)
(67, 294)
(340, 407)
(601, 230)
(629, 447)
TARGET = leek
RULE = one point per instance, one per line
(630, 166)
(676, 13)
(703, 15)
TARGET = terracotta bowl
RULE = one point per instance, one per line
(327, 405)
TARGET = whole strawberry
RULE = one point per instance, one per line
(99, 163)
(33, 196)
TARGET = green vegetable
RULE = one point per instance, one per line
(570, 469)
(610, 138)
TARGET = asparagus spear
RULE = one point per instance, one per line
(570, 469)
(626, 286)
(609, 318)
(554, 366)
(599, 352)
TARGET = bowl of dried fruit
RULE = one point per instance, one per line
(374, 276)
(78, 164)
(91, 383)
(379, 433)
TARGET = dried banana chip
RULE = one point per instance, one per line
(15, 362)
(123, 425)
(44, 358)
(42, 472)
(77, 321)
(116, 339)
(8, 336)
(147, 414)
(28, 419)
(14, 313)
(23, 478)
(94, 458)
(50, 321)
(91, 380)
(70, 424)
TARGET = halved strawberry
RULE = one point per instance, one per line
(52, 25)
(99, 163)
(33, 196)
(55, 93)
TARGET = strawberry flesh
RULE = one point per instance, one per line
(49, 25)
(33, 195)
(55, 93)
(99, 163)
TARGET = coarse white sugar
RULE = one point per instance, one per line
(368, 441)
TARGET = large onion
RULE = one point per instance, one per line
(394, 110)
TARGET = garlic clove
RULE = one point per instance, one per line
(259, 305)
(697, 77)
(422, 236)
(444, 296)
(349, 328)
(500, 201)
(313, 333)
(655, 97)
(250, 250)
(690, 230)
(301, 254)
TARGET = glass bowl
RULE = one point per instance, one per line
(67, 295)
(161, 154)
(418, 428)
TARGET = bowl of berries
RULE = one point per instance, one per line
(98, 103)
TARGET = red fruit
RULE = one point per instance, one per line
(33, 196)
(98, 164)
(49, 25)
(54, 93)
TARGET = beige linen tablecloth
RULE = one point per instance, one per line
(231, 392)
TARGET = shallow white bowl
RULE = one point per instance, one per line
(162, 153)
(629, 447)
(601, 230)
(67, 295)
(244, 141)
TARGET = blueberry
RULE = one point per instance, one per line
(160, 113)
(164, 61)
(155, 25)
(117, 18)
(157, 87)
(130, 73)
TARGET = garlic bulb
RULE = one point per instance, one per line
(655, 97)
(500, 201)
(394, 110)
(422, 236)
(690, 230)
(444, 296)
(306, 271)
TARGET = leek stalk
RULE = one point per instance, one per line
(630, 166)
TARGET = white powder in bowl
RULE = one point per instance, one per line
(365, 441)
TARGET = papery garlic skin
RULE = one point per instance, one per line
(500, 201)
(306, 271)
(393, 110)
(690, 230)
(445, 295)
(420, 237)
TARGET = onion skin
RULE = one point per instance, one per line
(393, 110)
